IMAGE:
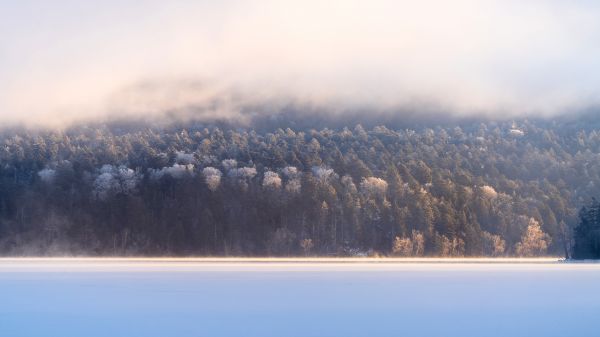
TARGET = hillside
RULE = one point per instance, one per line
(464, 189)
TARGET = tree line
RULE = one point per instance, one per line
(476, 189)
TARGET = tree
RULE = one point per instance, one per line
(534, 241)
(307, 245)
(587, 232)
(418, 243)
(196, 189)
(493, 245)
(402, 247)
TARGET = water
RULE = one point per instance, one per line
(290, 298)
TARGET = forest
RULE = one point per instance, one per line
(470, 188)
(586, 240)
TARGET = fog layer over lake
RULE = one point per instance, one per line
(177, 297)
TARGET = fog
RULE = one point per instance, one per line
(67, 61)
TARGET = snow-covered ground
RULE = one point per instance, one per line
(170, 297)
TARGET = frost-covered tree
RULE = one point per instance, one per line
(290, 172)
(176, 171)
(105, 184)
(271, 180)
(112, 180)
(489, 192)
(374, 187)
(229, 164)
(402, 247)
(212, 177)
(241, 176)
(323, 174)
(47, 175)
(534, 241)
(466, 189)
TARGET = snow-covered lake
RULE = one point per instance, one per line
(125, 297)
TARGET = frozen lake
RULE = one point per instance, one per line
(172, 297)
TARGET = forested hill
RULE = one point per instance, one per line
(489, 188)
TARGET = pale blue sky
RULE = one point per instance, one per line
(67, 60)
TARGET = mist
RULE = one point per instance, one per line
(64, 62)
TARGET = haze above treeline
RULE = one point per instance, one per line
(64, 62)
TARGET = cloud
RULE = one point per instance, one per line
(66, 61)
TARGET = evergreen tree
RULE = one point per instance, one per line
(587, 232)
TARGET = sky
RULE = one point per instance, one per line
(66, 61)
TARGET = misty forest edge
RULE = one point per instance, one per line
(471, 189)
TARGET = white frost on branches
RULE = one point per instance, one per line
(293, 184)
(290, 172)
(179, 171)
(242, 173)
(229, 164)
(212, 176)
(113, 180)
(47, 175)
(489, 192)
(534, 241)
(104, 184)
(373, 186)
(323, 174)
(176, 171)
(271, 180)
(128, 179)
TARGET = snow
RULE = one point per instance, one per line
(172, 297)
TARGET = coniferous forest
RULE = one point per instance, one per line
(587, 233)
(469, 188)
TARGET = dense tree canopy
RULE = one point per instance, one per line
(587, 232)
(475, 189)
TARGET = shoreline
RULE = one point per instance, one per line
(419, 260)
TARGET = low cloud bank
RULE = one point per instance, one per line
(63, 62)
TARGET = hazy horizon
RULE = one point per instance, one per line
(67, 61)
